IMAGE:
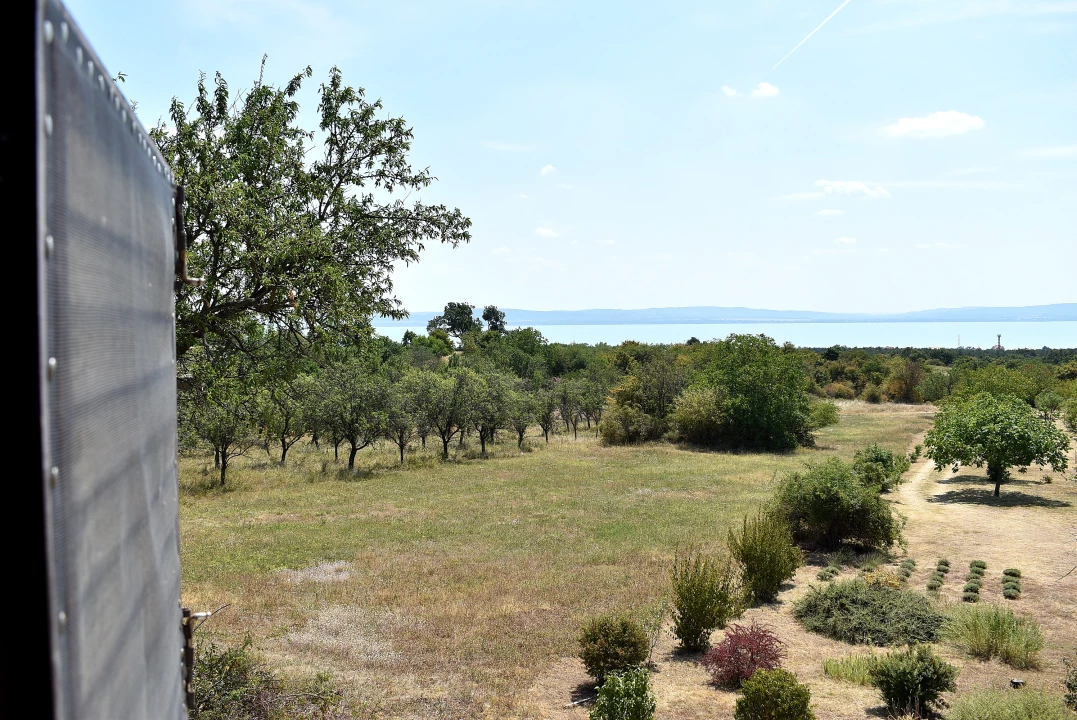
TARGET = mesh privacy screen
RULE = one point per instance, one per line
(109, 392)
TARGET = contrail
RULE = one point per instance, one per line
(829, 18)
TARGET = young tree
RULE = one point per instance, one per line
(353, 405)
(401, 412)
(904, 381)
(545, 410)
(521, 412)
(495, 319)
(444, 402)
(287, 405)
(568, 401)
(218, 411)
(306, 246)
(490, 410)
(997, 431)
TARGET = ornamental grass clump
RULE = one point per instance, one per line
(851, 668)
(987, 631)
(1024, 704)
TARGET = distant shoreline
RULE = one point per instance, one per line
(1062, 312)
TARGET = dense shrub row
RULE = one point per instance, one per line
(856, 612)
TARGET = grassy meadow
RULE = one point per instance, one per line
(443, 589)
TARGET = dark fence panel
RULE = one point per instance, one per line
(109, 392)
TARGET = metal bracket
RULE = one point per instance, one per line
(188, 659)
(182, 278)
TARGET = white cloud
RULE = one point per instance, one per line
(729, 92)
(1059, 151)
(826, 212)
(547, 170)
(523, 196)
(545, 232)
(765, 89)
(846, 241)
(605, 242)
(509, 147)
(851, 188)
(937, 124)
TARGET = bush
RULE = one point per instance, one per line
(1008, 705)
(972, 586)
(943, 563)
(879, 468)
(853, 611)
(828, 573)
(840, 390)
(705, 597)
(1011, 593)
(970, 596)
(978, 564)
(626, 424)
(612, 644)
(913, 680)
(745, 649)
(625, 696)
(872, 394)
(232, 684)
(698, 415)
(825, 505)
(774, 695)
(908, 564)
(884, 578)
(988, 631)
(851, 668)
(764, 548)
(823, 414)
(1069, 683)
(1011, 572)
(934, 584)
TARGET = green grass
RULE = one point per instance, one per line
(476, 572)
(851, 668)
(1009, 705)
(987, 631)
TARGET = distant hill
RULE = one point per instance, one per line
(726, 316)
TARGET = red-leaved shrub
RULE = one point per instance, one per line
(745, 649)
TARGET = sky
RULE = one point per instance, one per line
(910, 154)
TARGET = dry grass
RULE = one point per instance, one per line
(456, 590)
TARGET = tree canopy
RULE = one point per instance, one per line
(304, 246)
(997, 431)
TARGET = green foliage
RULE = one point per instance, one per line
(851, 668)
(986, 631)
(1024, 704)
(1069, 414)
(698, 415)
(1069, 682)
(827, 505)
(943, 563)
(612, 644)
(971, 596)
(763, 547)
(1011, 593)
(626, 424)
(1011, 572)
(972, 586)
(765, 389)
(996, 380)
(705, 597)
(913, 680)
(626, 696)
(878, 467)
(457, 320)
(774, 695)
(1049, 403)
(872, 394)
(935, 386)
(904, 380)
(978, 564)
(287, 239)
(855, 612)
(999, 432)
(823, 414)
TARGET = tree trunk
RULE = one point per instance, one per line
(482, 441)
(351, 456)
(997, 473)
(224, 468)
(314, 440)
(336, 451)
(402, 453)
(445, 447)
(216, 457)
(283, 451)
(546, 433)
(575, 435)
(520, 442)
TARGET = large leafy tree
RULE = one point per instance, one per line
(307, 246)
(999, 431)
(457, 320)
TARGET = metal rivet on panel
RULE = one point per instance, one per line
(48, 32)
(101, 82)
(62, 619)
(48, 124)
(63, 31)
(50, 245)
(51, 367)
(78, 55)
(54, 476)
(89, 68)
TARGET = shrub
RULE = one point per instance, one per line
(826, 505)
(913, 680)
(625, 696)
(970, 596)
(853, 611)
(840, 390)
(1011, 572)
(872, 394)
(879, 468)
(767, 556)
(699, 414)
(988, 631)
(626, 424)
(851, 668)
(823, 414)
(1008, 705)
(944, 563)
(828, 573)
(774, 695)
(934, 584)
(1069, 683)
(908, 563)
(232, 684)
(705, 597)
(971, 586)
(612, 644)
(1011, 593)
(883, 577)
(1011, 584)
(978, 564)
(745, 649)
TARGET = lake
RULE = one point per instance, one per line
(900, 334)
